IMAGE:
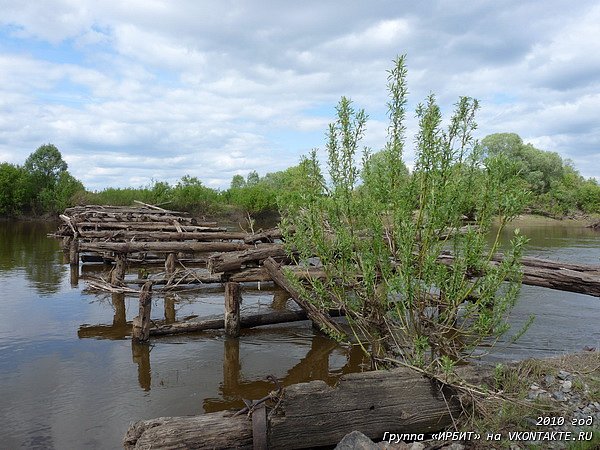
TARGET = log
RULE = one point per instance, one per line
(74, 252)
(156, 226)
(323, 321)
(267, 236)
(218, 323)
(170, 263)
(229, 262)
(126, 235)
(315, 415)
(233, 298)
(141, 323)
(167, 247)
(579, 278)
(118, 272)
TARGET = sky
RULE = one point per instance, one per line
(136, 91)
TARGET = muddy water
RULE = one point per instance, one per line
(67, 386)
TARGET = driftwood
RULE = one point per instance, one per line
(323, 321)
(156, 226)
(141, 323)
(126, 235)
(314, 415)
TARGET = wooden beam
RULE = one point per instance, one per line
(323, 320)
(141, 323)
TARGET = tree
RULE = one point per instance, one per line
(382, 254)
(237, 182)
(45, 165)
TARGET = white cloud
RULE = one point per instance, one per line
(160, 89)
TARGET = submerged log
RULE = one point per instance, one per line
(315, 414)
(233, 298)
(218, 323)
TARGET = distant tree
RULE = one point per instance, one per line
(13, 189)
(238, 182)
(252, 179)
(45, 166)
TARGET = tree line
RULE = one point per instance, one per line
(44, 185)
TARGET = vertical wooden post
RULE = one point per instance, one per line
(66, 248)
(233, 298)
(118, 301)
(74, 252)
(169, 309)
(118, 274)
(74, 275)
(170, 263)
(141, 323)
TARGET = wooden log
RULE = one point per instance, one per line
(170, 263)
(321, 319)
(169, 309)
(167, 247)
(141, 323)
(126, 235)
(249, 321)
(579, 278)
(267, 236)
(118, 272)
(233, 261)
(74, 252)
(233, 298)
(316, 415)
(156, 226)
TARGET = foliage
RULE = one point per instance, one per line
(13, 189)
(557, 187)
(379, 233)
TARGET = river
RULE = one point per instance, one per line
(59, 390)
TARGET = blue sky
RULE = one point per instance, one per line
(141, 90)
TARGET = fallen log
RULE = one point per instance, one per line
(315, 414)
(232, 261)
(322, 320)
(196, 325)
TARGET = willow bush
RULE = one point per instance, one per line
(383, 234)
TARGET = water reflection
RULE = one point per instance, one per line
(140, 354)
(25, 245)
(315, 365)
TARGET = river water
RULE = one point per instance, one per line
(66, 386)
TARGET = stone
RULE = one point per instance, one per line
(549, 379)
(566, 386)
(563, 374)
(558, 395)
(416, 446)
(356, 440)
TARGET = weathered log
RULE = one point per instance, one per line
(126, 235)
(315, 414)
(249, 321)
(167, 247)
(74, 252)
(118, 272)
(268, 236)
(579, 278)
(323, 321)
(141, 323)
(228, 262)
(156, 226)
(170, 263)
(233, 298)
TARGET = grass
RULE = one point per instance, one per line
(513, 410)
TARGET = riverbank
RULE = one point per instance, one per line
(549, 403)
